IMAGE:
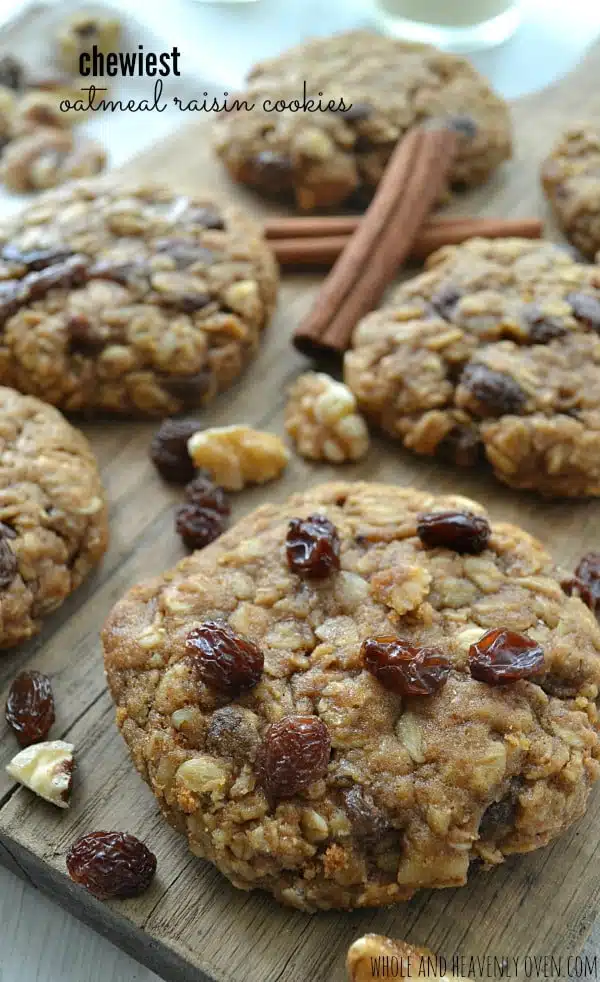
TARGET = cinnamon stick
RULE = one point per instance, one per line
(361, 247)
(324, 250)
(319, 226)
(411, 184)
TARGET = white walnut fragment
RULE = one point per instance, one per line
(46, 769)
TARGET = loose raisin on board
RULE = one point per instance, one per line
(459, 530)
(203, 491)
(30, 707)
(223, 660)
(585, 583)
(295, 752)
(503, 656)
(9, 566)
(313, 547)
(198, 526)
(169, 452)
(586, 308)
(404, 668)
(496, 393)
(111, 864)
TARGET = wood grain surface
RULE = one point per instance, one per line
(192, 924)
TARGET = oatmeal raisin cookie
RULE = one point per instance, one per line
(303, 695)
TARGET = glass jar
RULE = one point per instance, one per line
(455, 25)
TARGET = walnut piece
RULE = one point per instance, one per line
(46, 157)
(322, 419)
(411, 962)
(47, 769)
(237, 455)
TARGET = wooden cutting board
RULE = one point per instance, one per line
(192, 924)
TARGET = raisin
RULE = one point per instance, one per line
(274, 168)
(202, 491)
(111, 864)
(67, 273)
(586, 308)
(208, 218)
(30, 707)
(185, 253)
(187, 303)
(404, 668)
(464, 125)
(313, 547)
(461, 531)
(368, 821)
(84, 337)
(295, 752)
(121, 273)
(9, 566)
(542, 327)
(35, 259)
(586, 581)
(12, 295)
(188, 389)
(496, 393)
(498, 820)
(169, 452)
(198, 526)
(358, 112)
(461, 446)
(502, 656)
(223, 660)
(12, 73)
(445, 300)
(233, 732)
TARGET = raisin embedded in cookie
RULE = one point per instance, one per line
(323, 159)
(53, 518)
(137, 301)
(493, 352)
(571, 179)
(314, 717)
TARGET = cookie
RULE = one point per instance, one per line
(249, 692)
(137, 301)
(491, 354)
(324, 159)
(571, 180)
(53, 517)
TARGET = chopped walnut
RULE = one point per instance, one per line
(409, 962)
(322, 419)
(238, 455)
(47, 769)
(46, 158)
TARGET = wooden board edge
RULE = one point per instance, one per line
(123, 933)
